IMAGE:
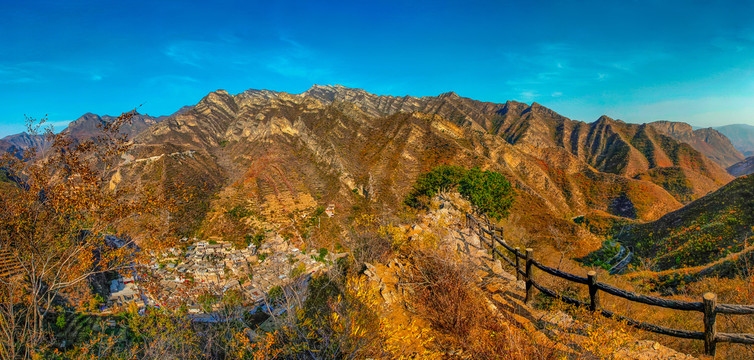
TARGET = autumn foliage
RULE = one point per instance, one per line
(54, 220)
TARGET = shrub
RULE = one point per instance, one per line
(441, 178)
(489, 191)
(60, 321)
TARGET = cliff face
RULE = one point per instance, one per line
(709, 142)
(277, 154)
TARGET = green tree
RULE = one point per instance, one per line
(443, 177)
(489, 191)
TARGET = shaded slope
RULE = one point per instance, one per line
(744, 167)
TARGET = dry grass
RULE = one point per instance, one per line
(443, 292)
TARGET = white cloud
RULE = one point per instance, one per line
(529, 95)
(15, 74)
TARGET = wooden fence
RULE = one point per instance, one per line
(708, 306)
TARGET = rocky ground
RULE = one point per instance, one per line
(505, 294)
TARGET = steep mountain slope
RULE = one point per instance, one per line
(741, 135)
(707, 141)
(701, 232)
(612, 146)
(265, 156)
(744, 167)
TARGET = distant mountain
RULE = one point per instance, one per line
(82, 128)
(87, 125)
(270, 155)
(708, 141)
(701, 232)
(741, 135)
(5, 145)
(744, 167)
(20, 142)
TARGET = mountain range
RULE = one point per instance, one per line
(257, 158)
(84, 127)
(274, 154)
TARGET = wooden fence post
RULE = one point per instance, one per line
(492, 244)
(594, 297)
(710, 331)
(518, 267)
(529, 286)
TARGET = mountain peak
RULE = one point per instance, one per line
(709, 141)
(449, 94)
(672, 126)
(605, 118)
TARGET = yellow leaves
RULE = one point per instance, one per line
(396, 235)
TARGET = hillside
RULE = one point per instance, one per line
(701, 232)
(741, 135)
(709, 142)
(260, 156)
(744, 167)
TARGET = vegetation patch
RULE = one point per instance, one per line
(673, 180)
(489, 191)
(704, 231)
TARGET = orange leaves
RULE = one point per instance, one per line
(56, 213)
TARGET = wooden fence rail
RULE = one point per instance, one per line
(708, 306)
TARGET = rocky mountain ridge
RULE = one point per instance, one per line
(275, 153)
(708, 141)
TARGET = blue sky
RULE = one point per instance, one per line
(639, 61)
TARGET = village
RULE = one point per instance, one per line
(190, 274)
